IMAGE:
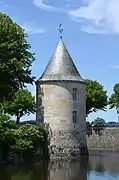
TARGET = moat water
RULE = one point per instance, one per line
(100, 166)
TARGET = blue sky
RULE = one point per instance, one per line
(91, 34)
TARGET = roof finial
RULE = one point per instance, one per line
(60, 30)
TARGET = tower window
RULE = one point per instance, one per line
(74, 117)
(74, 93)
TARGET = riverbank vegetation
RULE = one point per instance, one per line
(16, 60)
(21, 140)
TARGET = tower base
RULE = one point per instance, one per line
(67, 144)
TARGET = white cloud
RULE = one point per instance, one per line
(64, 7)
(93, 30)
(51, 8)
(40, 4)
(31, 29)
(98, 15)
(94, 16)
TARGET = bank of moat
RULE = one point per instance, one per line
(61, 104)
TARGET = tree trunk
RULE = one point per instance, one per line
(18, 119)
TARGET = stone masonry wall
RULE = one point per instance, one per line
(58, 105)
(108, 140)
(67, 144)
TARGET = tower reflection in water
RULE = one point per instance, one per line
(64, 170)
(53, 170)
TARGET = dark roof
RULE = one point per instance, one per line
(61, 67)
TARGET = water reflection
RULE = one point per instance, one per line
(98, 167)
(101, 162)
(69, 170)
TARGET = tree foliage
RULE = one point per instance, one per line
(22, 104)
(7, 138)
(96, 97)
(99, 121)
(15, 73)
(20, 139)
(114, 99)
(15, 58)
(29, 137)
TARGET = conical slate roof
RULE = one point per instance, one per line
(61, 67)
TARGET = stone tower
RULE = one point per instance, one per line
(61, 104)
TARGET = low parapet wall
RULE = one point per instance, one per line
(107, 140)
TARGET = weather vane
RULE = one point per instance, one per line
(60, 30)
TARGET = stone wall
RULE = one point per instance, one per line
(108, 140)
(58, 105)
(66, 144)
(55, 106)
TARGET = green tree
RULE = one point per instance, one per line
(7, 138)
(30, 137)
(99, 120)
(23, 140)
(114, 99)
(15, 58)
(23, 103)
(96, 97)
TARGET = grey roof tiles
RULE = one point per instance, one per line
(61, 67)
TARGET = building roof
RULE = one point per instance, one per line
(61, 66)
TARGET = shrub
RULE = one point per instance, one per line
(23, 139)
(29, 137)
